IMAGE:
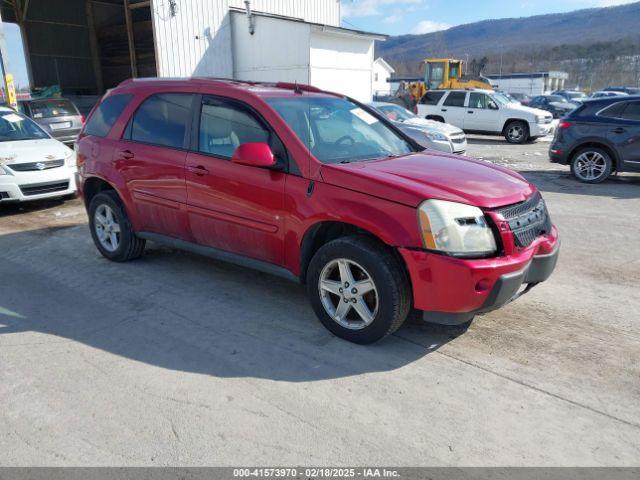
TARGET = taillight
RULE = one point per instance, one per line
(564, 125)
(82, 119)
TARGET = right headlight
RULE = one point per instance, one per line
(4, 171)
(456, 229)
(435, 136)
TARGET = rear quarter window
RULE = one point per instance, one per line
(162, 120)
(612, 111)
(106, 114)
(431, 98)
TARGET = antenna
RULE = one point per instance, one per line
(297, 89)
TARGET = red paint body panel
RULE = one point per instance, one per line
(264, 214)
(446, 284)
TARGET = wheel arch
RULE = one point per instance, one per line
(322, 232)
(514, 119)
(92, 186)
(437, 118)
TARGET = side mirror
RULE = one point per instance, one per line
(255, 154)
(493, 106)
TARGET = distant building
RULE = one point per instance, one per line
(381, 74)
(535, 83)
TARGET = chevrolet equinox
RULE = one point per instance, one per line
(317, 188)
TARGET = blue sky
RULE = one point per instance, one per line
(17, 65)
(398, 17)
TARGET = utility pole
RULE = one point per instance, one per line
(4, 64)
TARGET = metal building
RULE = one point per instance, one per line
(88, 46)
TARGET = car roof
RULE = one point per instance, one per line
(611, 99)
(260, 89)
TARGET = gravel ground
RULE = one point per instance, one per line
(180, 360)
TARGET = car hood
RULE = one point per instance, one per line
(530, 110)
(563, 105)
(416, 177)
(431, 125)
(25, 151)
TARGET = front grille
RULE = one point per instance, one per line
(460, 139)
(34, 166)
(40, 188)
(527, 220)
(4, 195)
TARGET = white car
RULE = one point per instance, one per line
(428, 133)
(486, 112)
(608, 93)
(33, 165)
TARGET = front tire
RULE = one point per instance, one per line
(591, 165)
(111, 229)
(516, 132)
(358, 289)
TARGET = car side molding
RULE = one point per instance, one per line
(219, 254)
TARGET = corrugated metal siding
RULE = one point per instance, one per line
(326, 12)
(196, 41)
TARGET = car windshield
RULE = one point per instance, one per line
(396, 113)
(501, 99)
(336, 130)
(52, 108)
(14, 126)
(556, 98)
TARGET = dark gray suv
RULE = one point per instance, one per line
(58, 117)
(599, 137)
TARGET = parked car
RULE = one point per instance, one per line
(33, 165)
(554, 104)
(627, 90)
(605, 94)
(428, 133)
(486, 112)
(59, 117)
(599, 137)
(522, 98)
(574, 96)
(314, 187)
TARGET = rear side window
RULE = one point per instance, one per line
(106, 115)
(613, 111)
(162, 120)
(52, 108)
(224, 126)
(455, 99)
(431, 98)
(632, 112)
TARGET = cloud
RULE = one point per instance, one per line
(370, 8)
(395, 17)
(427, 26)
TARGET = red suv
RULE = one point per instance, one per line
(317, 188)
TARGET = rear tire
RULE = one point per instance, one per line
(516, 132)
(111, 229)
(591, 165)
(358, 289)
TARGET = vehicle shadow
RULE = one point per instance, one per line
(8, 209)
(182, 312)
(621, 186)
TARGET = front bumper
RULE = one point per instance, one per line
(452, 291)
(540, 129)
(37, 185)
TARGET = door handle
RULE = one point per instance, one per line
(469, 111)
(126, 154)
(619, 130)
(443, 109)
(198, 170)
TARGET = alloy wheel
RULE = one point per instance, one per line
(516, 133)
(348, 294)
(590, 166)
(107, 228)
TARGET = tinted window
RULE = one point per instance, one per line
(106, 115)
(162, 120)
(477, 100)
(613, 111)
(224, 126)
(431, 98)
(632, 112)
(455, 99)
(52, 108)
